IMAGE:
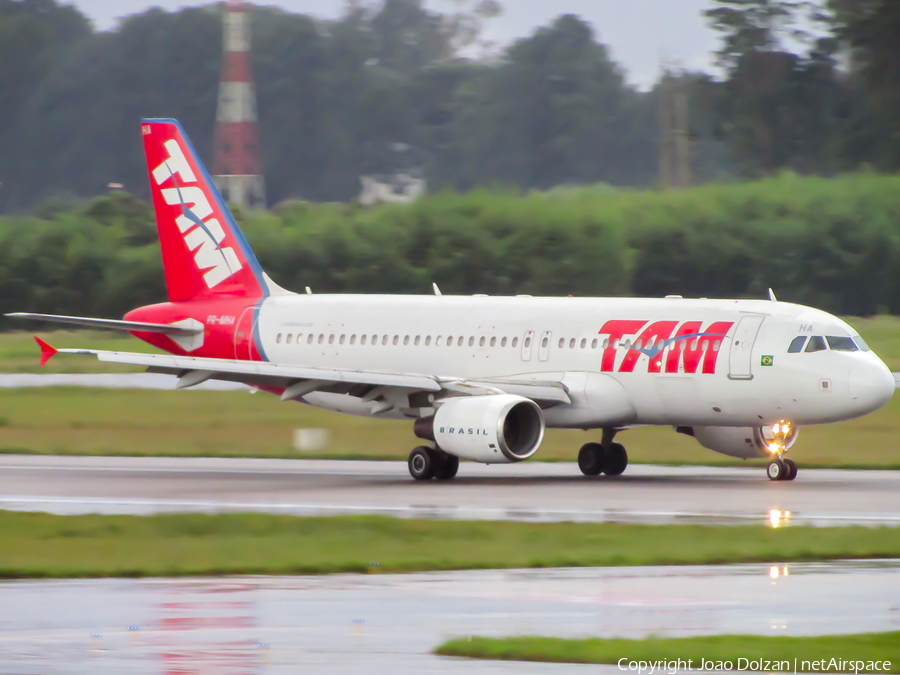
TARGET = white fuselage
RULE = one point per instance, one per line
(623, 361)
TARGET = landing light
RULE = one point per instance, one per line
(773, 448)
(773, 572)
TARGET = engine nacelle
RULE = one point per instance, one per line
(491, 429)
(743, 442)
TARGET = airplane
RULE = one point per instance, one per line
(479, 377)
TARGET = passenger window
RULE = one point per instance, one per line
(545, 343)
(428, 341)
(321, 338)
(527, 342)
(396, 340)
(572, 343)
(439, 341)
(606, 343)
(482, 341)
(331, 339)
(594, 343)
(406, 341)
(459, 341)
(717, 345)
(861, 343)
(705, 346)
(384, 340)
(362, 340)
(278, 339)
(562, 342)
(309, 340)
(797, 345)
(353, 339)
(471, 342)
(503, 342)
(343, 338)
(816, 344)
(841, 344)
(493, 342)
(515, 342)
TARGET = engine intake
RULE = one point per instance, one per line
(492, 429)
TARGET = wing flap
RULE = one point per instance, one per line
(110, 324)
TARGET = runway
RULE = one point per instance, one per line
(531, 491)
(350, 624)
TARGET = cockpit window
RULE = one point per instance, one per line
(797, 345)
(816, 344)
(863, 347)
(842, 344)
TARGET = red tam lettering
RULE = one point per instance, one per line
(716, 332)
(658, 332)
(680, 352)
(616, 330)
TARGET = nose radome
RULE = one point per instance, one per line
(872, 385)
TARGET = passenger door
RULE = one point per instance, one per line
(740, 365)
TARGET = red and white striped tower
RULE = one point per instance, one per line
(237, 169)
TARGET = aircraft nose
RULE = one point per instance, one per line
(872, 385)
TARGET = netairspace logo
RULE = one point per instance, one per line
(675, 666)
(201, 233)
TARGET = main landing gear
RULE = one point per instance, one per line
(781, 469)
(426, 463)
(605, 457)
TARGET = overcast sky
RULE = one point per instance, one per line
(640, 33)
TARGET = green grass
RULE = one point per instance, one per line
(19, 352)
(42, 545)
(726, 648)
(72, 420)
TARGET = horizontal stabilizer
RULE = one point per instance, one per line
(110, 324)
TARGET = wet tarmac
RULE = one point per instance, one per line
(390, 623)
(532, 491)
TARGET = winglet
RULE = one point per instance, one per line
(47, 352)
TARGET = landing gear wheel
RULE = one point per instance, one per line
(616, 460)
(791, 472)
(591, 459)
(777, 470)
(422, 463)
(447, 467)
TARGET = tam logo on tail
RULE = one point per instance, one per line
(201, 236)
(201, 244)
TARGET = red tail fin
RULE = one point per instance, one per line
(204, 253)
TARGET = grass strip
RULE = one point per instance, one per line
(733, 652)
(37, 545)
(78, 421)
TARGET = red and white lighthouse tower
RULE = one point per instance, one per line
(237, 169)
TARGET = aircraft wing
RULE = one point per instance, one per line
(298, 381)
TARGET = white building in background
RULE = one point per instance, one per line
(398, 188)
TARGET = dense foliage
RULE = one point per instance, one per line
(832, 243)
(391, 85)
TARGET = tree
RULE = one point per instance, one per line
(870, 31)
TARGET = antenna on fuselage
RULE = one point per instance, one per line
(437, 291)
(308, 290)
(772, 296)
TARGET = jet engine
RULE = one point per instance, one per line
(498, 429)
(745, 442)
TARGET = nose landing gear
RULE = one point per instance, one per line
(780, 468)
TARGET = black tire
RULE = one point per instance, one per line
(776, 470)
(421, 463)
(591, 459)
(616, 460)
(791, 467)
(448, 468)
